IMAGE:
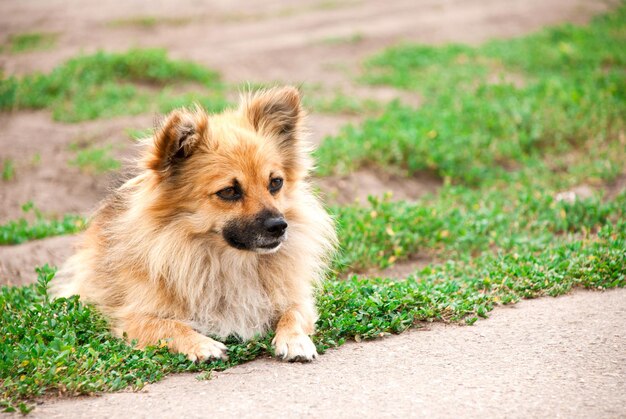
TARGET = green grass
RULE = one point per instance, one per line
(25, 42)
(64, 347)
(93, 159)
(104, 85)
(460, 223)
(504, 150)
(138, 134)
(473, 126)
(8, 169)
(37, 226)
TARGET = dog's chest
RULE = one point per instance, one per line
(234, 302)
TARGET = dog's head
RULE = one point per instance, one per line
(229, 177)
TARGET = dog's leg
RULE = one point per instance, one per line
(292, 341)
(180, 338)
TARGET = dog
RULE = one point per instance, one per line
(218, 234)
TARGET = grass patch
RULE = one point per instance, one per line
(36, 159)
(8, 170)
(34, 41)
(139, 134)
(503, 151)
(34, 225)
(473, 127)
(460, 223)
(104, 85)
(94, 159)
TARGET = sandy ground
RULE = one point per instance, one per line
(563, 357)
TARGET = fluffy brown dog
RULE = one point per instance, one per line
(219, 235)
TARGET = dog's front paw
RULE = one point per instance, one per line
(203, 348)
(294, 347)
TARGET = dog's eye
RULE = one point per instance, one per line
(276, 184)
(230, 194)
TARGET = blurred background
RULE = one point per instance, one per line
(82, 80)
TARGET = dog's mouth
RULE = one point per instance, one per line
(270, 245)
(264, 233)
(269, 248)
(255, 246)
(258, 248)
(237, 244)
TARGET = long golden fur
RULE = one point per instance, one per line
(159, 258)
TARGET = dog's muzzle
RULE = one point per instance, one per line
(263, 233)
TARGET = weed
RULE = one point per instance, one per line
(8, 170)
(25, 42)
(205, 376)
(138, 134)
(21, 230)
(462, 222)
(94, 159)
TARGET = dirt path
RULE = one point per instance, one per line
(563, 357)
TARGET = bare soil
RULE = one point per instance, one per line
(561, 357)
(41, 151)
(17, 263)
(616, 187)
(357, 186)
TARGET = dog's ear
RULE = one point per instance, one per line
(176, 139)
(276, 113)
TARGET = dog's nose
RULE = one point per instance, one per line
(275, 226)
